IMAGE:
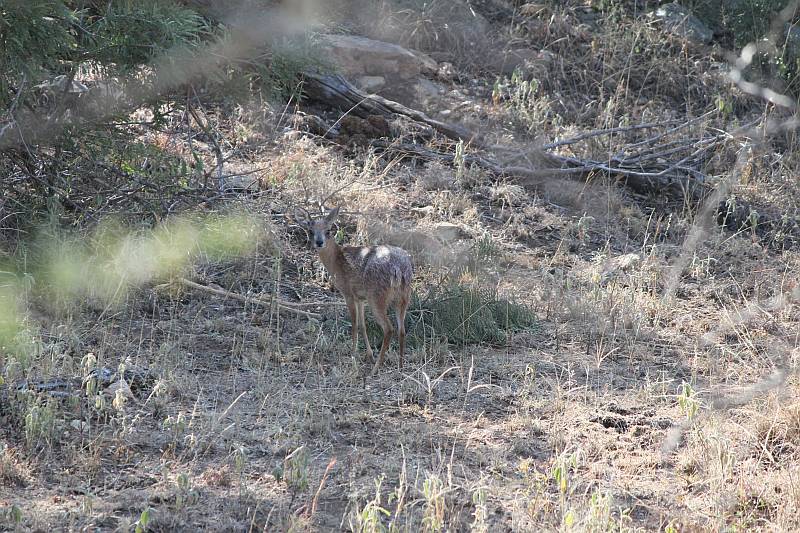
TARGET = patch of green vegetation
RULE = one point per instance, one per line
(461, 314)
(290, 58)
(745, 21)
(738, 23)
(47, 37)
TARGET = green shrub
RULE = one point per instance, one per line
(34, 40)
(467, 314)
(461, 314)
(742, 21)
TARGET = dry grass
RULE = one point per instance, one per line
(557, 427)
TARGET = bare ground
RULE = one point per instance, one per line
(564, 424)
(627, 407)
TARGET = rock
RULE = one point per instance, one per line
(59, 84)
(679, 21)
(428, 66)
(359, 56)
(614, 267)
(448, 232)
(532, 9)
(446, 72)
(120, 387)
(359, 131)
(627, 262)
(246, 183)
(531, 62)
(426, 89)
(303, 122)
(371, 84)
(79, 425)
(425, 210)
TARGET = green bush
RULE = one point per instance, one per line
(738, 23)
(35, 39)
(742, 21)
(44, 38)
(461, 314)
(467, 314)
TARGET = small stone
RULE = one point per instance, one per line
(79, 425)
(426, 88)
(448, 232)
(446, 72)
(679, 21)
(628, 261)
(532, 9)
(532, 62)
(240, 183)
(371, 84)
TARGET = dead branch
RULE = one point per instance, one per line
(283, 305)
(655, 165)
(337, 92)
(212, 135)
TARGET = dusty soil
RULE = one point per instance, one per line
(656, 390)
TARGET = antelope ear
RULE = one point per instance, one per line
(331, 216)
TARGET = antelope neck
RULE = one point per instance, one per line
(331, 256)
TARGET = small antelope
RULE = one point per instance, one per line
(378, 275)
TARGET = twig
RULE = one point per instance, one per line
(331, 464)
(211, 135)
(12, 122)
(598, 133)
(286, 306)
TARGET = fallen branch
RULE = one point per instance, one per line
(647, 169)
(336, 91)
(283, 305)
(668, 161)
(674, 180)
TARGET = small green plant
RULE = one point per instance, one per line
(560, 474)
(599, 517)
(240, 462)
(459, 161)
(370, 518)
(290, 57)
(466, 314)
(687, 400)
(724, 106)
(752, 220)
(12, 514)
(486, 249)
(176, 425)
(185, 495)
(480, 514)
(40, 424)
(87, 505)
(295, 470)
(582, 227)
(144, 519)
(434, 507)
(522, 100)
